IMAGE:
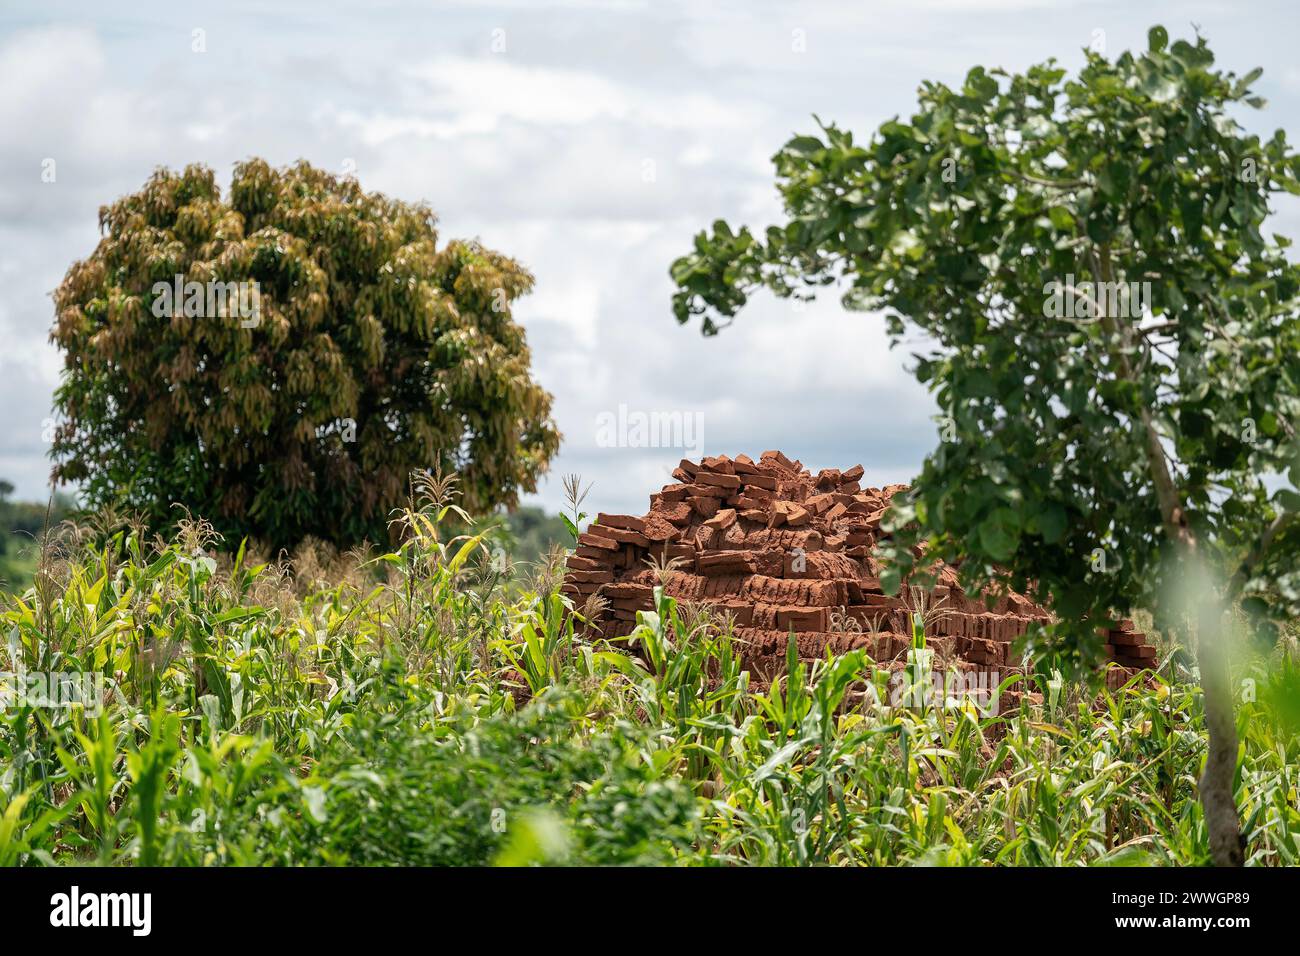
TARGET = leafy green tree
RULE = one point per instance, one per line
(280, 359)
(1106, 441)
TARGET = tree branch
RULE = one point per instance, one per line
(1257, 553)
(1171, 508)
(1049, 183)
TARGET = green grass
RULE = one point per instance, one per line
(427, 708)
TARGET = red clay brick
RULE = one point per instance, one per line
(627, 522)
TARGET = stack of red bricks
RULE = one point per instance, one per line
(1127, 646)
(779, 550)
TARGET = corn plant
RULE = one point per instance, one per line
(421, 706)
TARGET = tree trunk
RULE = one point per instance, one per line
(1218, 799)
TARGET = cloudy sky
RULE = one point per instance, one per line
(590, 140)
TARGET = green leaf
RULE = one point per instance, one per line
(1061, 218)
(1288, 498)
(1244, 83)
(314, 800)
(999, 534)
(1051, 522)
(805, 145)
(891, 578)
(905, 243)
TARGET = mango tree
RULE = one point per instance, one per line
(280, 358)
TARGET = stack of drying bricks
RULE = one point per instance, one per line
(780, 549)
(1128, 647)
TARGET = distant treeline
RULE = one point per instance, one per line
(531, 530)
(535, 533)
(20, 525)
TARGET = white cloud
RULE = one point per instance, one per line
(493, 88)
(542, 152)
(466, 96)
